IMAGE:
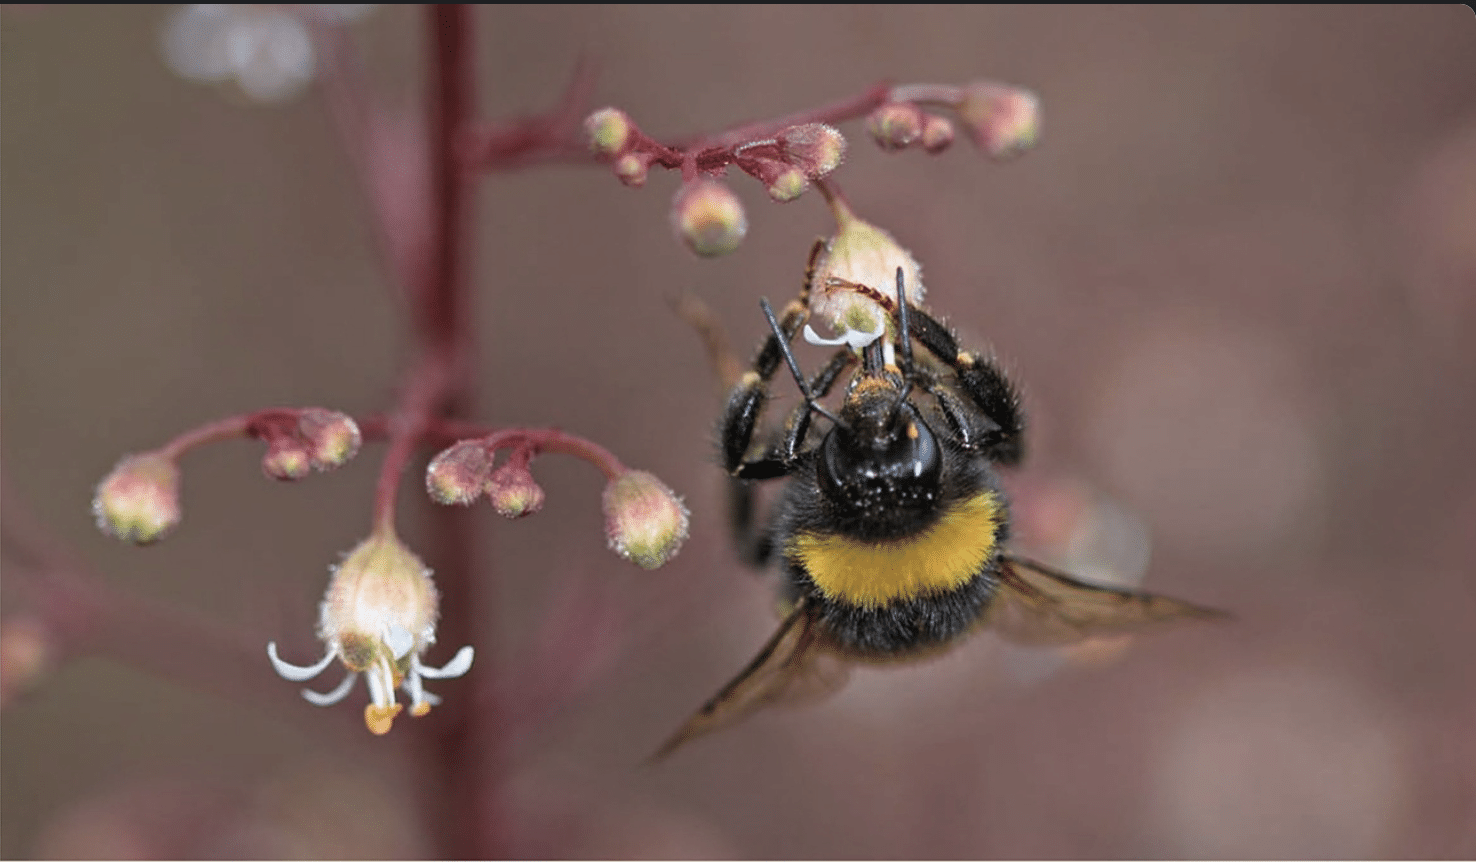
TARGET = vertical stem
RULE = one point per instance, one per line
(462, 790)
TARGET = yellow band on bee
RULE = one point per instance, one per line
(870, 574)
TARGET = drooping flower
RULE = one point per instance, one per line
(377, 618)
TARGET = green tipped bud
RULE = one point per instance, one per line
(645, 520)
(1004, 121)
(937, 133)
(458, 474)
(609, 131)
(286, 460)
(333, 438)
(896, 125)
(632, 169)
(788, 185)
(708, 218)
(814, 148)
(139, 501)
(512, 490)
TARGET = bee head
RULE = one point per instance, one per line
(881, 460)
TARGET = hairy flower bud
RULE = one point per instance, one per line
(512, 490)
(895, 125)
(645, 521)
(609, 131)
(814, 148)
(286, 460)
(859, 264)
(332, 438)
(1004, 121)
(139, 501)
(937, 133)
(457, 475)
(632, 169)
(708, 217)
(788, 185)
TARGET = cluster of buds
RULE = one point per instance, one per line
(645, 521)
(315, 439)
(706, 215)
(1002, 120)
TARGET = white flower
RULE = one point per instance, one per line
(266, 49)
(377, 618)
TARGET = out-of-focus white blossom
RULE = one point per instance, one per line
(266, 50)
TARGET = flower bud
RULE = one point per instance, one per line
(458, 474)
(286, 460)
(1004, 121)
(708, 217)
(332, 437)
(895, 125)
(27, 651)
(788, 185)
(609, 131)
(860, 254)
(632, 169)
(645, 521)
(937, 133)
(139, 501)
(512, 490)
(814, 148)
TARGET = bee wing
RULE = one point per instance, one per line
(793, 667)
(1037, 604)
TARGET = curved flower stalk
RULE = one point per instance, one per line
(377, 618)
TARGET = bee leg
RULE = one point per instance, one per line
(998, 433)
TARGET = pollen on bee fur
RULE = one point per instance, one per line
(912, 430)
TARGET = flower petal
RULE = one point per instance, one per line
(458, 665)
(293, 672)
(332, 697)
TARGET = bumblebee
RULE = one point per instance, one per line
(890, 532)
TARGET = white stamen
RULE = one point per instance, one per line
(332, 697)
(381, 684)
(458, 665)
(293, 672)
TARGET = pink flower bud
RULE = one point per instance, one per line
(1004, 121)
(332, 437)
(937, 133)
(632, 169)
(645, 520)
(609, 131)
(27, 651)
(139, 501)
(286, 460)
(895, 126)
(814, 148)
(512, 490)
(708, 217)
(458, 474)
(788, 185)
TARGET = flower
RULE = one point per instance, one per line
(856, 280)
(708, 217)
(378, 617)
(266, 49)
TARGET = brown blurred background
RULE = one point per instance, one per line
(1238, 281)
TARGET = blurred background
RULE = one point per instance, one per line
(1237, 279)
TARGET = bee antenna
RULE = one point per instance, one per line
(794, 368)
(904, 336)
